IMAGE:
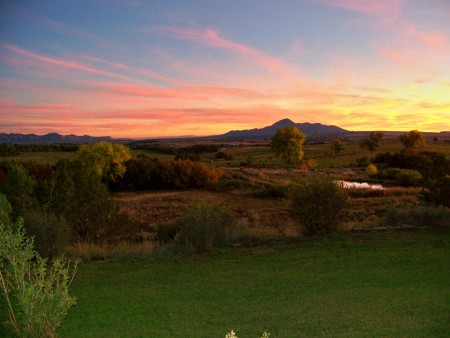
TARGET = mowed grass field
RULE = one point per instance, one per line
(382, 284)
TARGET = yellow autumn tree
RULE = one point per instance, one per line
(288, 143)
(105, 159)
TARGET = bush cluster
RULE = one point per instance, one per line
(430, 164)
(205, 226)
(402, 177)
(318, 205)
(145, 173)
(437, 192)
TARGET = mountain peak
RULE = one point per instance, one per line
(309, 129)
(283, 123)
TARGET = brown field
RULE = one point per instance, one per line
(265, 217)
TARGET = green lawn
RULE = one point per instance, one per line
(393, 284)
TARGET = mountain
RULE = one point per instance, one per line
(49, 138)
(310, 129)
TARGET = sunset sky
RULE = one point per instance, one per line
(153, 68)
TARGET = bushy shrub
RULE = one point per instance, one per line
(271, 191)
(205, 226)
(437, 192)
(403, 177)
(40, 292)
(51, 233)
(431, 165)
(5, 210)
(317, 204)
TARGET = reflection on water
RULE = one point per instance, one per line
(358, 185)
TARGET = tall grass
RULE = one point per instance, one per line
(417, 217)
(89, 251)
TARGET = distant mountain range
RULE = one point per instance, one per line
(309, 129)
(49, 138)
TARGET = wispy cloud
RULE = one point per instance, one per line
(379, 8)
(73, 65)
(211, 38)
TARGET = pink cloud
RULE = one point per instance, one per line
(71, 65)
(134, 70)
(209, 37)
(411, 46)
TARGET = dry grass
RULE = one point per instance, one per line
(87, 251)
(149, 210)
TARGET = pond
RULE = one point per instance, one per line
(360, 185)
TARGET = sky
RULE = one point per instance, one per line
(161, 68)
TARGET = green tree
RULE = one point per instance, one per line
(288, 143)
(373, 142)
(18, 187)
(82, 199)
(337, 146)
(106, 159)
(413, 139)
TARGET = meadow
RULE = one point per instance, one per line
(346, 285)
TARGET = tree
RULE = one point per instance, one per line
(106, 159)
(373, 142)
(18, 187)
(82, 199)
(337, 146)
(288, 143)
(413, 139)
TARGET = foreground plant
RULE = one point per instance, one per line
(231, 334)
(37, 297)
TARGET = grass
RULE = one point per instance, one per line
(348, 285)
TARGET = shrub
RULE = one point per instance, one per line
(271, 191)
(371, 169)
(438, 192)
(51, 233)
(5, 210)
(318, 205)
(41, 293)
(403, 177)
(205, 226)
(221, 155)
(168, 232)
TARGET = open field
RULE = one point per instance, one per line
(355, 285)
(386, 274)
(258, 154)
